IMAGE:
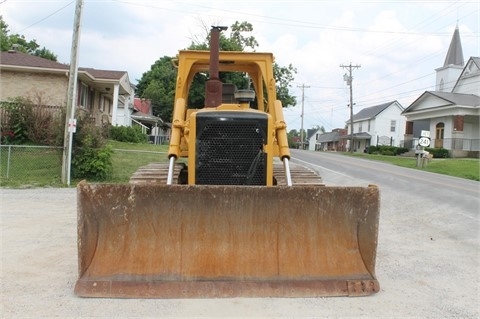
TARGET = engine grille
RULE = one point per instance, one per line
(229, 148)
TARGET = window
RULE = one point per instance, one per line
(105, 104)
(368, 126)
(83, 96)
(393, 125)
(360, 128)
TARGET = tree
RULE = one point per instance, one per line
(158, 84)
(7, 42)
(319, 128)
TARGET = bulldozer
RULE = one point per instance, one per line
(228, 214)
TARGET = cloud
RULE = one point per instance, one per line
(397, 44)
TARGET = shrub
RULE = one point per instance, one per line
(14, 129)
(26, 122)
(372, 149)
(91, 156)
(386, 150)
(438, 152)
(127, 134)
(401, 150)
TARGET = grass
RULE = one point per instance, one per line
(129, 157)
(41, 167)
(30, 167)
(468, 168)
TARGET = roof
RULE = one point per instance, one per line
(17, 58)
(458, 98)
(455, 52)
(311, 132)
(104, 74)
(142, 117)
(20, 59)
(451, 98)
(328, 137)
(358, 136)
(142, 105)
(371, 112)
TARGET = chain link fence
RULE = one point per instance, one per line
(31, 166)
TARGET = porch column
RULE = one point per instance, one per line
(116, 89)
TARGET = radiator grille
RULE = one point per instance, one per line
(229, 148)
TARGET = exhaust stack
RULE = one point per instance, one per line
(213, 87)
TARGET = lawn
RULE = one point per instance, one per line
(40, 167)
(128, 157)
(30, 166)
(468, 168)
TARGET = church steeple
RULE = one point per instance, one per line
(448, 74)
(455, 53)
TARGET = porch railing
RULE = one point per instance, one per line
(462, 144)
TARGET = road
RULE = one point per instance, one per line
(429, 232)
(427, 263)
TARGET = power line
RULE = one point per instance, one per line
(48, 16)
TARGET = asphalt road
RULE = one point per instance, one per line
(427, 262)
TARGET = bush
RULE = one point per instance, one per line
(26, 122)
(438, 152)
(401, 150)
(14, 129)
(92, 163)
(372, 149)
(386, 150)
(127, 134)
(91, 156)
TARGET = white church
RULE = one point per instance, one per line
(451, 113)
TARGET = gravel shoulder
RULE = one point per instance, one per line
(424, 269)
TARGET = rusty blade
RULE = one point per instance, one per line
(158, 241)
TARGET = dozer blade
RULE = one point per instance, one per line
(179, 241)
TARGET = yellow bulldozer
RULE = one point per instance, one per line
(235, 218)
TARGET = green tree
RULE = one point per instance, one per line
(319, 128)
(8, 41)
(158, 84)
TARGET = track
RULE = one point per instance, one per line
(158, 172)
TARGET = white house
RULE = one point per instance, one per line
(450, 113)
(377, 125)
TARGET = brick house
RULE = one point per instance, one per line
(328, 141)
(107, 95)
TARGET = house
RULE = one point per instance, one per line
(329, 141)
(142, 115)
(377, 125)
(450, 113)
(107, 95)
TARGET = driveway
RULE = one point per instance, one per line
(427, 263)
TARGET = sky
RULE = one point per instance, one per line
(397, 45)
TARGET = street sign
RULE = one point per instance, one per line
(72, 125)
(424, 141)
(425, 133)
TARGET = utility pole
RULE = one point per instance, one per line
(349, 78)
(303, 87)
(71, 96)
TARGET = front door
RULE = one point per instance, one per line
(439, 129)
